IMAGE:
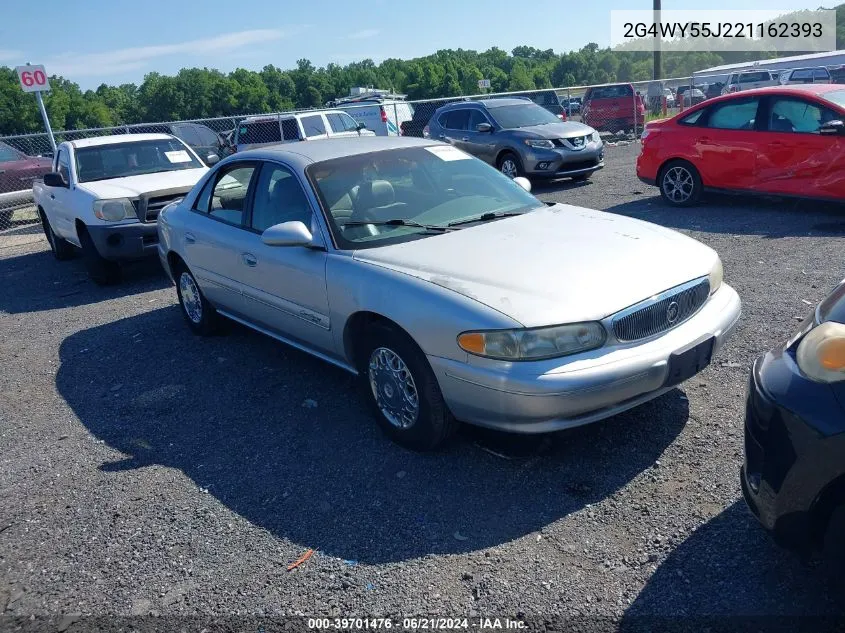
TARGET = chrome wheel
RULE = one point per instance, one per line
(509, 168)
(393, 388)
(191, 299)
(678, 184)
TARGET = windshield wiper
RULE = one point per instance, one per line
(485, 217)
(397, 222)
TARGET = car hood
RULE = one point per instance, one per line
(135, 186)
(560, 264)
(566, 129)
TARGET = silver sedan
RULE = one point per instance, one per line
(447, 287)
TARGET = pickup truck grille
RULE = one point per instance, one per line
(155, 205)
(668, 311)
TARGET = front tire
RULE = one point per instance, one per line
(510, 165)
(199, 314)
(61, 248)
(102, 271)
(403, 391)
(680, 183)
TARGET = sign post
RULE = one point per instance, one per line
(34, 79)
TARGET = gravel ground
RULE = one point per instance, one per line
(143, 470)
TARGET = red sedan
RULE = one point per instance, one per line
(784, 140)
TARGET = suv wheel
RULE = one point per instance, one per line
(403, 390)
(680, 183)
(510, 165)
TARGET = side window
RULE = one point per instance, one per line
(475, 118)
(335, 123)
(797, 115)
(278, 198)
(457, 119)
(63, 164)
(290, 130)
(737, 114)
(341, 122)
(187, 134)
(206, 135)
(692, 119)
(349, 123)
(821, 74)
(265, 131)
(224, 197)
(313, 125)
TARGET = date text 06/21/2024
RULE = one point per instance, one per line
(414, 624)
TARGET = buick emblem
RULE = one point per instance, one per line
(673, 312)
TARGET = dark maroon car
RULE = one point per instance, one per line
(17, 172)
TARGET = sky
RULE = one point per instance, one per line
(118, 41)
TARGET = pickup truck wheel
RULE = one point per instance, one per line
(101, 271)
(403, 390)
(199, 314)
(62, 249)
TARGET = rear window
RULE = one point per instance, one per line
(313, 125)
(747, 78)
(290, 129)
(612, 92)
(266, 131)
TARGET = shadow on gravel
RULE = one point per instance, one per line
(38, 281)
(742, 215)
(287, 442)
(730, 567)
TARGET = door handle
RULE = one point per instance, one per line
(52, 196)
(249, 259)
(190, 239)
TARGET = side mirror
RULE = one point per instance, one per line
(523, 182)
(484, 127)
(293, 233)
(54, 179)
(212, 159)
(833, 128)
(360, 127)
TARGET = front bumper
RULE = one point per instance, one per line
(583, 388)
(562, 162)
(122, 242)
(794, 442)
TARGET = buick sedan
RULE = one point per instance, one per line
(446, 286)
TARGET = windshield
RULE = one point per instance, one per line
(837, 97)
(427, 186)
(522, 115)
(7, 154)
(132, 159)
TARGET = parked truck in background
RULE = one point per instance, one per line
(103, 196)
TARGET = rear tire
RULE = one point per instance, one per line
(61, 248)
(680, 183)
(102, 271)
(510, 165)
(199, 314)
(403, 390)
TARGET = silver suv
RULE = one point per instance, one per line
(519, 137)
(313, 125)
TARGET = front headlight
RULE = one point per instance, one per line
(596, 137)
(715, 276)
(115, 210)
(539, 143)
(821, 355)
(534, 343)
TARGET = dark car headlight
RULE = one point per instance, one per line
(821, 353)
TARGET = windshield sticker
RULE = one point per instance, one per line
(178, 156)
(447, 152)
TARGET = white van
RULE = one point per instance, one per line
(383, 116)
(314, 125)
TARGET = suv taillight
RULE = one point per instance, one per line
(426, 131)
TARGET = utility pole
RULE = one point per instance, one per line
(658, 68)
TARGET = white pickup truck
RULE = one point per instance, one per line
(104, 195)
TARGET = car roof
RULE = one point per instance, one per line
(289, 115)
(304, 153)
(118, 138)
(798, 89)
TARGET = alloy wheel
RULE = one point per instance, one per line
(678, 184)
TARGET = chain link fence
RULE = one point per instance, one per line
(618, 111)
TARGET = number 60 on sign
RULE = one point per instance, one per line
(33, 78)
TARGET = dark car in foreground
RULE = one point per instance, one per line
(793, 478)
(519, 137)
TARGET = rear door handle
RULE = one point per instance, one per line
(190, 239)
(52, 196)
(249, 259)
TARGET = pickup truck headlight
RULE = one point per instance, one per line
(534, 343)
(596, 137)
(821, 354)
(115, 210)
(715, 276)
(539, 143)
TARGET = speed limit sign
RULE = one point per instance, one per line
(33, 78)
